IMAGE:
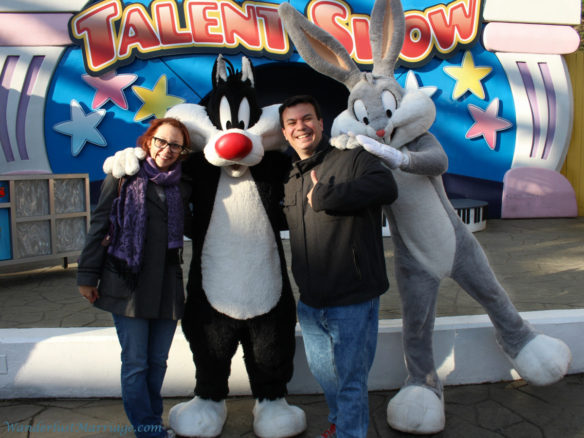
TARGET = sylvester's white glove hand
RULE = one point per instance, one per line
(345, 140)
(125, 162)
(390, 156)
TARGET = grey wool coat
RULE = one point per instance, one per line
(159, 292)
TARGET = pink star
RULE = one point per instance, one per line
(487, 123)
(110, 87)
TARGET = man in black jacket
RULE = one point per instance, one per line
(333, 204)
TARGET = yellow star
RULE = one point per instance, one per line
(156, 101)
(468, 77)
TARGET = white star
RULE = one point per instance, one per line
(82, 128)
(412, 84)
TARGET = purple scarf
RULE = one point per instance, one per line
(128, 214)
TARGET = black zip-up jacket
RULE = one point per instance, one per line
(337, 248)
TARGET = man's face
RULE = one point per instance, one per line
(302, 129)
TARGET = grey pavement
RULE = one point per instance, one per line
(513, 410)
(539, 261)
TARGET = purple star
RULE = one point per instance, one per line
(487, 123)
(110, 87)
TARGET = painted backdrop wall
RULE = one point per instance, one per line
(80, 80)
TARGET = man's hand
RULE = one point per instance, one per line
(314, 182)
(390, 156)
(89, 292)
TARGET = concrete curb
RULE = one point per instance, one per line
(84, 362)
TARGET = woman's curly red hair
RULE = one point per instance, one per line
(144, 140)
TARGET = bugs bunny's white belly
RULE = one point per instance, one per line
(423, 223)
(240, 262)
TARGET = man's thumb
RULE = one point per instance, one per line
(313, 176)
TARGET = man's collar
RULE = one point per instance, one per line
(316, 158)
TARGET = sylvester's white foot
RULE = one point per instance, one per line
(277, 419)
(198, 418)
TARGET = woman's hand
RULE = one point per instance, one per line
(89, 292)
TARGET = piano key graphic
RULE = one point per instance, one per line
(472, 212)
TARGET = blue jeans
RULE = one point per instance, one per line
(145, 345)
(340, 345)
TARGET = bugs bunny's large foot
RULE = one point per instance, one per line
(416, 409)
(544, 360)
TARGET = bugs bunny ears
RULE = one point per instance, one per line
(328, 56)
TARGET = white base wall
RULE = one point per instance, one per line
(84, 362)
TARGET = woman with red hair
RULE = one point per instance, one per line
(131, 267)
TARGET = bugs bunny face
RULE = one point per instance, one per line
(374, 101)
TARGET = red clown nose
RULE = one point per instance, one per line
(233, 146)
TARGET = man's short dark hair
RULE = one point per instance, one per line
(296, 100)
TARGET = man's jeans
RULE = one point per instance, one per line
(145, 345)
(340, 346)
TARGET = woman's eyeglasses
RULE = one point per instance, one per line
(160, 143)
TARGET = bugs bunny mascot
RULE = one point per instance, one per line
(431, 242)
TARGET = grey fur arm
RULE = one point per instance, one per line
(427, 157)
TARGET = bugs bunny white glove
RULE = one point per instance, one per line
(390, 156)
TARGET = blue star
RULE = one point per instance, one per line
(82, 128)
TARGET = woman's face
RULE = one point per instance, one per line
(166, 146)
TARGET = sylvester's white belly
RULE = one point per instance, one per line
(240, 261)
